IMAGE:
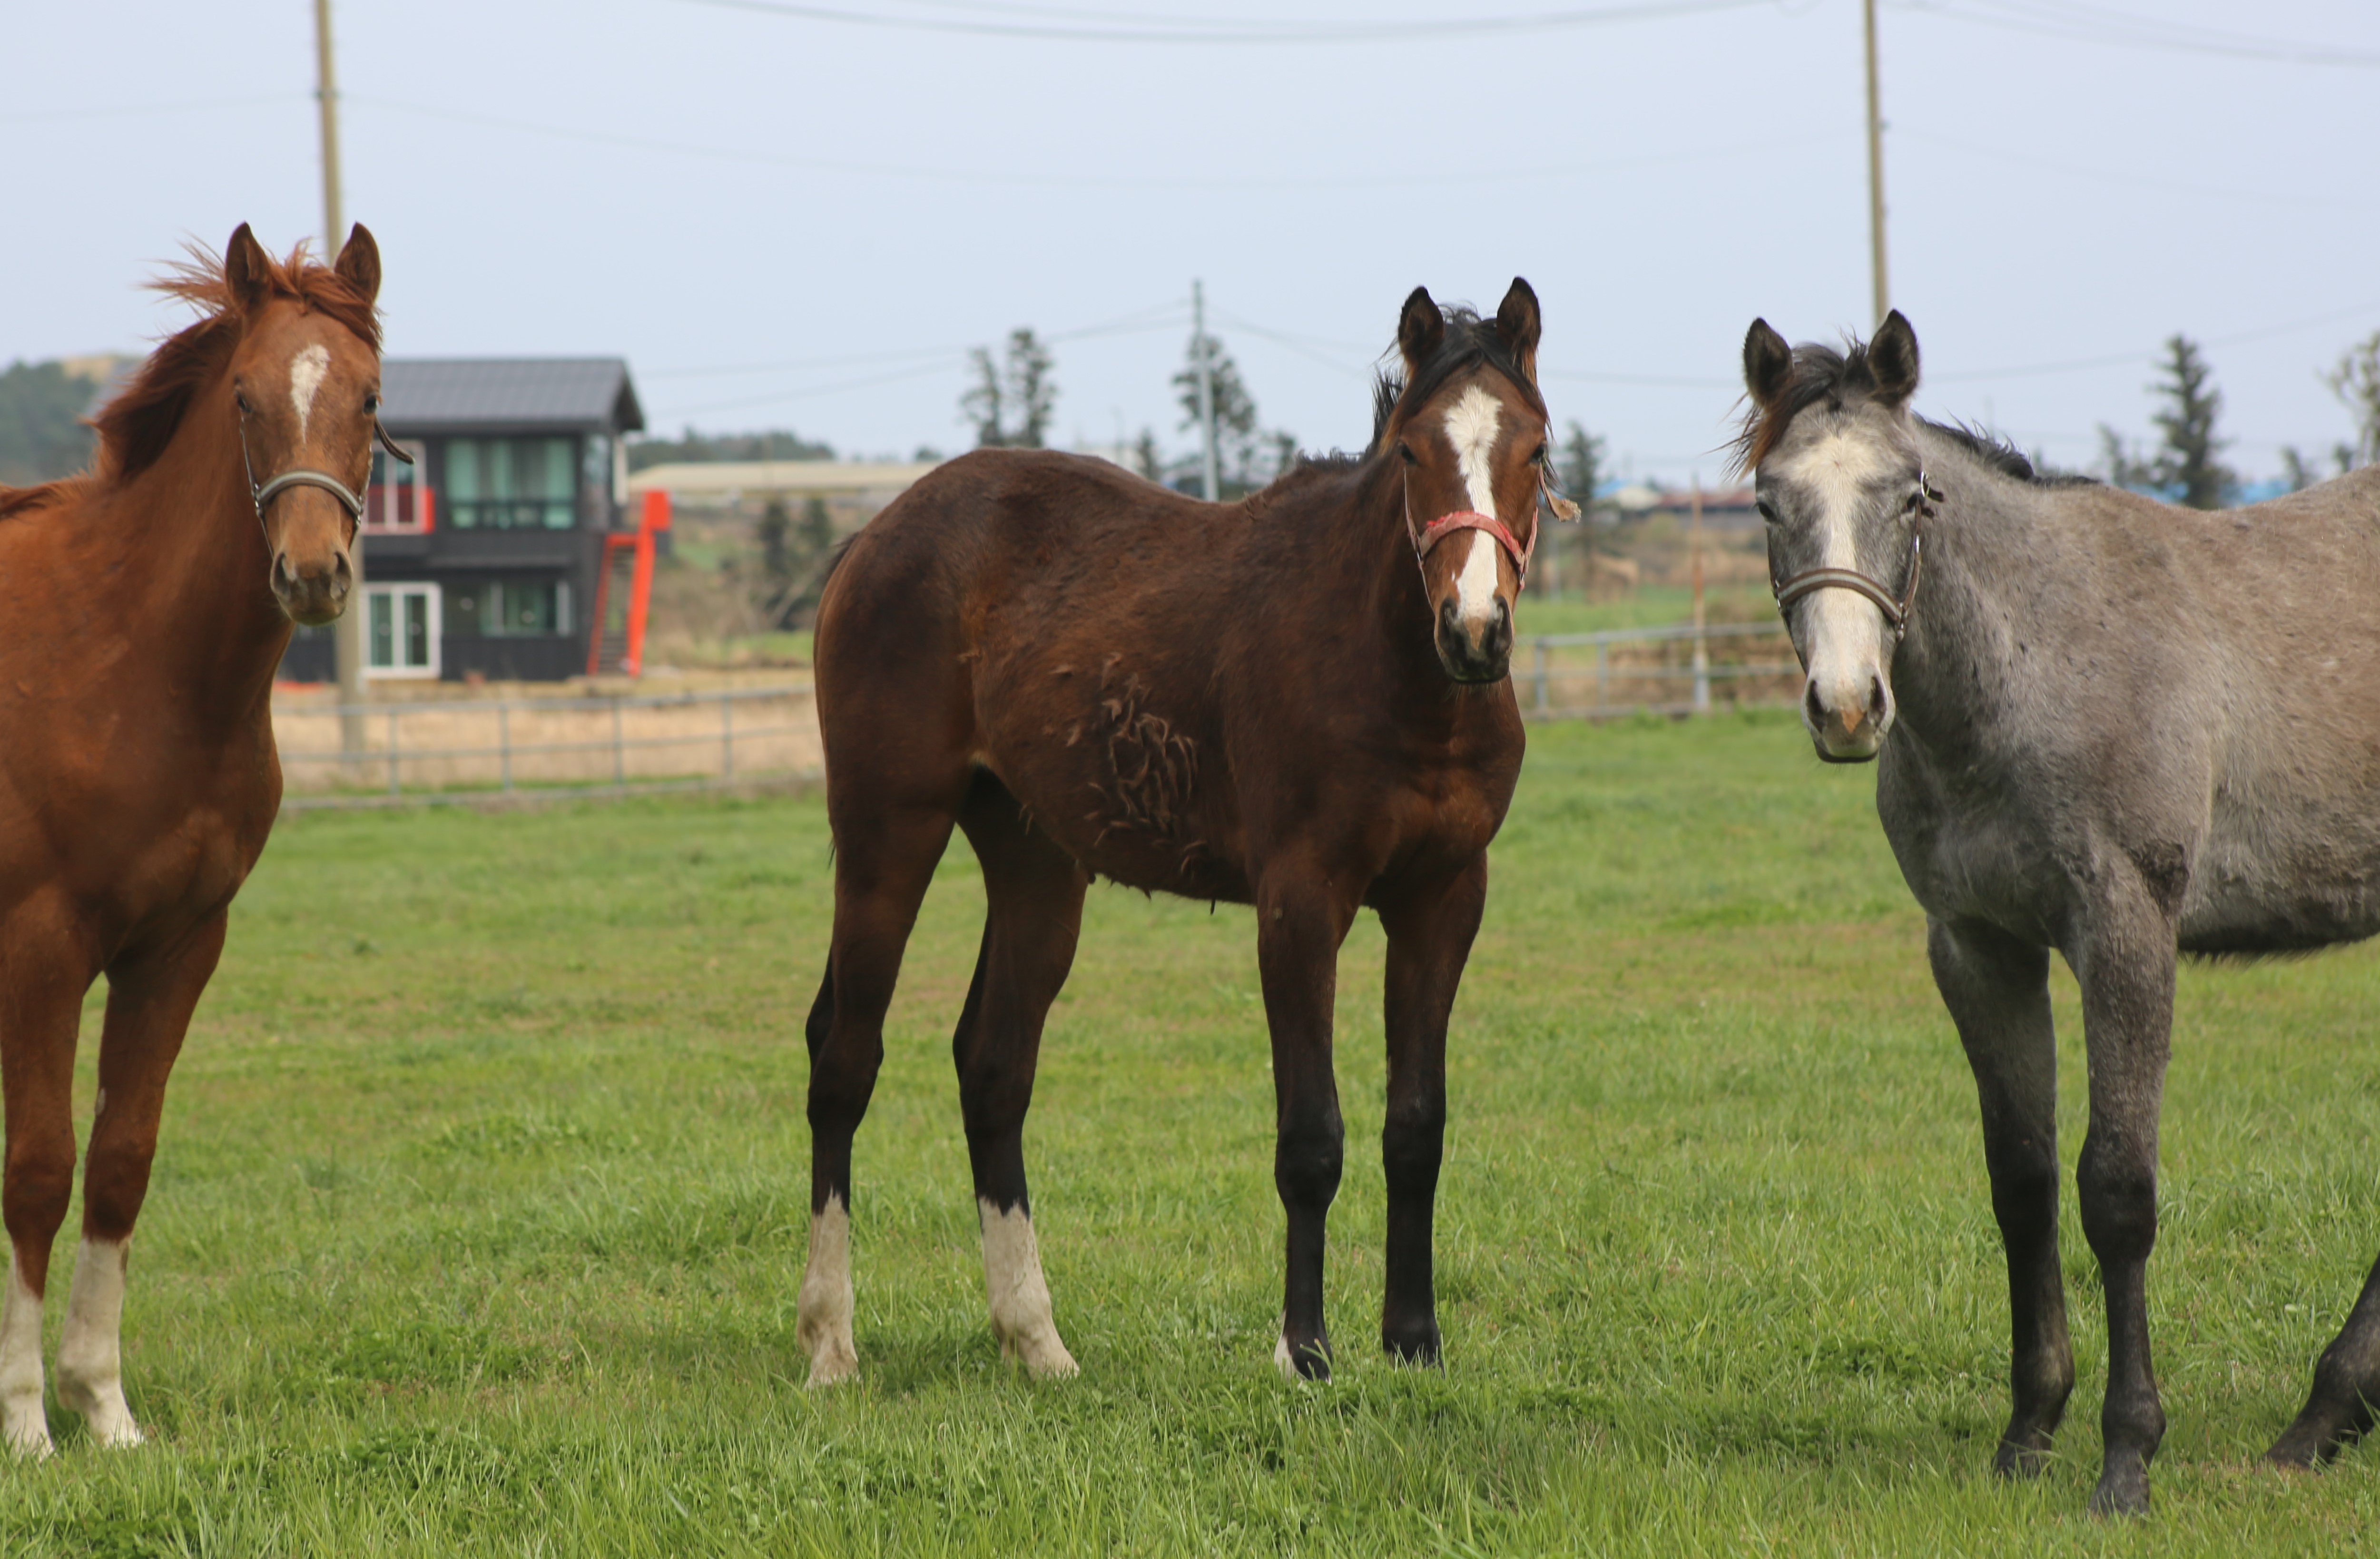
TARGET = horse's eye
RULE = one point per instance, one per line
(1540, 457)
(1765, 511)
(239, 399)
(371, 406)
(1406, 453)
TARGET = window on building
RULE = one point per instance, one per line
(512, 608)
(398, 499)
(401, 629)
(511, 484)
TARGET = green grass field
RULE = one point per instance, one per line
(482, 1205)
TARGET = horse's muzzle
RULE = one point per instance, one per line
(313, 592)
(1474, 652)
(1852, 730)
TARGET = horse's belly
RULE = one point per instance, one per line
(2288, 895)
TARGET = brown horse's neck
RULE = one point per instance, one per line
(197, 610)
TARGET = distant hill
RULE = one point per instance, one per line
(707, 448)
(42, 408)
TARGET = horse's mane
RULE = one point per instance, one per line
(1997, 453)
(139, 422)
(1471, 342)
(1835, 375)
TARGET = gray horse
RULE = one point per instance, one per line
(2106, 726)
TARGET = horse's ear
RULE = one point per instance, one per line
(359, 264)
(1892, 358)
(1518, 323)
(248, 271)
(1768, 363)
(1421, 331)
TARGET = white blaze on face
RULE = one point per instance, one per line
(306, 372)
(823, 1325)
(21, 1417)
(91, 1374)
(1021, 1316)
(1473, 425)
(1842, 632)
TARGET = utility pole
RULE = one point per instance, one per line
(348, 641)
(1874, 171)
(1702, 645)
(1211, 473)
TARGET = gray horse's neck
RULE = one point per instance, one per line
(1979, 634)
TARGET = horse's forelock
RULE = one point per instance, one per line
(1820, 373)
(1471, 342)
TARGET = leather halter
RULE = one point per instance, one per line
(1896, 609)
(261, 495)
(1427, 537)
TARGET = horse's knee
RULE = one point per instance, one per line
(113, 1188)
(1412, 1145)
(2117, 1189)
(1306, 1165)
(37, 1185)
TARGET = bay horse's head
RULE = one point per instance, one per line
(1467, 423)
(304, 394)
(1833, 450)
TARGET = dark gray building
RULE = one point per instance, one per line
(483, 556)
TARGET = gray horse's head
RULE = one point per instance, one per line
(1833, 454)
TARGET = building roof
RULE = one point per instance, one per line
(719, 481)
(465, 395)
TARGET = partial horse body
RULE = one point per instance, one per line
(1266, 702)
(143, 611)
(2105, 726)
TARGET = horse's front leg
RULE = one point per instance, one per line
(149, 999)
(1300, 923)
(1430, 931)
(1998, 991)
(2126, 971)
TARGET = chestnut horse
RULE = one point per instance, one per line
(143, 609)
(1266, 702)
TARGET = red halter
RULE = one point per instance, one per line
(1445, 526)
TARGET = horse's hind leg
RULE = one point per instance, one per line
(40, 1003)
(149, 999)
(1034, 913)
(2346, 1387)
(1998, 991)
(885, 853)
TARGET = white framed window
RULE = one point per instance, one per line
(401, 629)
(398, 499)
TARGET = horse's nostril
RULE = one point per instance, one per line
(1812, 706)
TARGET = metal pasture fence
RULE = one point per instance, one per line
(480, 749)
(463, 750)
(1677, 670)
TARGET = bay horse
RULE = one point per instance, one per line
(2105, 726)
(144, 608)
(1298, 702)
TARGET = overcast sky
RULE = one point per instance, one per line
(785, 220)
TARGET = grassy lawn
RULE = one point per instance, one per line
(480, 1210)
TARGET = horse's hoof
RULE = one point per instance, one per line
(2122, 1491)
(831, 1363)
(1308, 1361)
(1413, 1345)
(2024, 1459)
(1043, 1355)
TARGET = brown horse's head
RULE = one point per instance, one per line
(1469, 426)
(305, 386)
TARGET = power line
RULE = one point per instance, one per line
(2144, 181)
(1068, 181)
(1244, 30)
(147, 110)
(2117, 359)
(2070, 21)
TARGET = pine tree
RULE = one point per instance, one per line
(1010, 402)
(2186, 468)
(2356, 381)
(1237, 435)
(1580, 465)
